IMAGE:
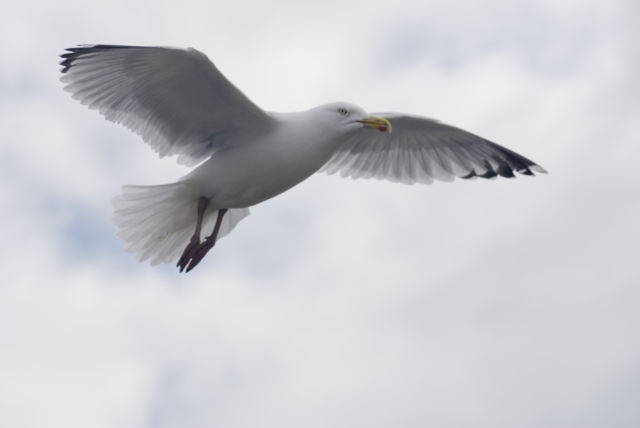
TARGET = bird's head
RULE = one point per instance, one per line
(350, 117)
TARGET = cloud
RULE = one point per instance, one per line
(341, 302)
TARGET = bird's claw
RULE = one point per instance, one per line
(199, 252)
(186, 254)
(194, 253)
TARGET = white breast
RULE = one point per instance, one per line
(258, 170)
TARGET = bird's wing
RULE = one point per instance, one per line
(176, 99)
(420, 150)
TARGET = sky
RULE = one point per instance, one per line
(341, 303)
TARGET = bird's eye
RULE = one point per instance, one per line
(343, 111)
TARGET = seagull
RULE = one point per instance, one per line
(182, 105)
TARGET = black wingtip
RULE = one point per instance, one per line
(67, 60)
(525, 171)
(505, 170)
(537, 168)
(74, 53)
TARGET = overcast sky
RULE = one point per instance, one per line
(341, 303)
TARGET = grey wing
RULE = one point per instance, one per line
(420, 150)
(175, 99)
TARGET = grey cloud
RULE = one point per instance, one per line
(341, 303)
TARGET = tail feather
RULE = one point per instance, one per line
(156, 222)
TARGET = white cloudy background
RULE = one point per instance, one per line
(506, 303)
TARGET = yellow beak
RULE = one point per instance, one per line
(382, 125)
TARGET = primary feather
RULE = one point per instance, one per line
(175, 99)
(420, 150)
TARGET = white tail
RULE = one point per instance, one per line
(156, 222)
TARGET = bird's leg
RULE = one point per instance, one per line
(195, 239)
(201, 250)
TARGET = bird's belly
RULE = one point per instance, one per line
(251, 174)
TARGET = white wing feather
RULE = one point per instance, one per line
(420, 150)
(176, 99)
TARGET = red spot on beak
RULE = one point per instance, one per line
(382, 128)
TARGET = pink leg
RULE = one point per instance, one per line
(195, 239)
(201, 250)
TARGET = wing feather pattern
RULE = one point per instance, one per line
(175, 99)
(421, 150)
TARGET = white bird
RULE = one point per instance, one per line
(180, 104)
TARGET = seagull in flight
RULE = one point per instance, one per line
(180, 104)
